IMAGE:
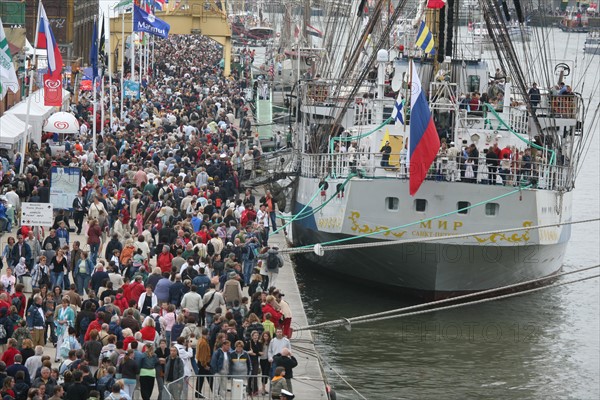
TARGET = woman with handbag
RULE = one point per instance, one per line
(58, 265)
(65, 319)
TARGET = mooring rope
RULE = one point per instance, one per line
(401, 312)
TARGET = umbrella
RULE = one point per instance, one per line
(62, 122)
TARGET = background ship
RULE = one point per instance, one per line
(344, 194)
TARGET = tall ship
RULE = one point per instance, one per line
(354, 125)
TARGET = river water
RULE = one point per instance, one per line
(543, 345)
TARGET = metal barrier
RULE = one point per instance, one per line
(369, 165)
(218, 387)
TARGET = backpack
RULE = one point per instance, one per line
(21, 188)
(157, 324)
(189, 273)
(237, 315)
(16, 301)
(210, 248)
(84, 324)
(106, 354)
(105, 385)
(65, 348)
(273, 261)
(21, 389)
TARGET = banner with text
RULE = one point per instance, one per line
(131, 89)
(144, 22)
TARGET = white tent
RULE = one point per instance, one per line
(62, 122)
(38, 112)
(12, 131)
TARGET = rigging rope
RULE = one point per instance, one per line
(320, 207)
(529, 142)
(391, 314)
(357, 137)
(304, 208)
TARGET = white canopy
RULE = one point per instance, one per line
(38, 113)
(12, 130)
(62, 122)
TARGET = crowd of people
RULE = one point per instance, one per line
(161, 277)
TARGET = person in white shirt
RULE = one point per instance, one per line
(185, 353)
(278, 343)
(262, 218)
(192, 301)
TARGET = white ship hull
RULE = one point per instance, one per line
(445, 267)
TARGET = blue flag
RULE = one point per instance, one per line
(144, 22)
(94, 52)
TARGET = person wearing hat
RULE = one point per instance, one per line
(232, 290)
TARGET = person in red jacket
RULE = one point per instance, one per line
(272, 308)
(11, 351)
(19, 294)
(126, 289)
(248, 215)
(137, 288)
(128, 338)
(121, 301)
(164, 259)
(148, 330)
(95, 324)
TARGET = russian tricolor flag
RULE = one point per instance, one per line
(53, 78)
(46, 41)
(424, 142)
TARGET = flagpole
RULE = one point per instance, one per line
(102, 112)
(95, 105)
(31, 75)
(132, 45)
(147, 58)
(110, 95)
(152, 52)
(141, 52)
(122, 59)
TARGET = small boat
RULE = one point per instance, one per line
(592, 43)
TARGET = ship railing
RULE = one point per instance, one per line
(518, 172)
(443, 169)
(515, 117)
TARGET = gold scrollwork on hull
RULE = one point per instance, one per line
(364, 228)
(503, 237)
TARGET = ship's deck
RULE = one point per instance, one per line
(444, 168)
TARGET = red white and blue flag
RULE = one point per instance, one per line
(160, 5)
(424, 142)
(311, 30)
(53, 78)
